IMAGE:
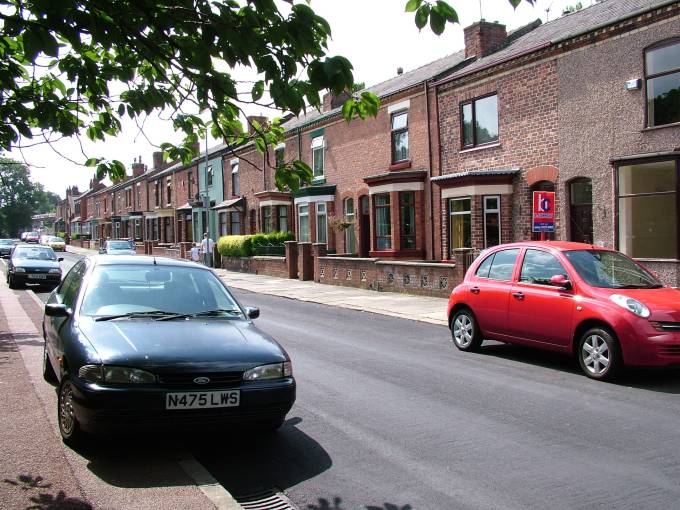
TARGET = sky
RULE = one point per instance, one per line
(377, 36)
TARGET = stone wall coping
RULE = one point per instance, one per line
(353, 259)
(415, 264)
(268, 257)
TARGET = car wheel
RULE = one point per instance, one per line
(68, 424)
(598, 354)
(465, 331)
(48, 371)
(11, 283)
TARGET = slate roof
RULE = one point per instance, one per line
(586, 20)
(476, 173)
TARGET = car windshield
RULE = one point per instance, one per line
(118, 245)
(611, 270)
(34, 253)
(122, 289)
(6, 242)
(56, 240)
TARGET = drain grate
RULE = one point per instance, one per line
(268, 500)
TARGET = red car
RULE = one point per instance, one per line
(570, 297)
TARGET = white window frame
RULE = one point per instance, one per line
(488, 210)
(300, 215)
(319, 144)
(234, 174)
(459, 213)
(321, 210)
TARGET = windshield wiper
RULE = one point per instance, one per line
(206, 313)
(640, 286)
(152, 313)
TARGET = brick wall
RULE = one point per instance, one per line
(273, 266)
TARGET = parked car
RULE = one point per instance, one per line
(32, 237)
(117, 247)
(56, 243)
(33, 265)
(43, 239)
(6, 247)
(575, 298)
(151, 342)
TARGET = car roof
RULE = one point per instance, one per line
(142, 260)
(556, 245)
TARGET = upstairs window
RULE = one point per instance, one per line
(479, 121)
(190, 185)
(235, 189)
(280, 155)
(318, 145)
(662, 69)
(399, 137)
(169, 191)
(209, 176)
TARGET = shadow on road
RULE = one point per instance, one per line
(336, 504)
(42, 496)
(247, 463)
(661, 380)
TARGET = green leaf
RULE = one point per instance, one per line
(437, 21)
(422, 14)
(258, 90)
(92, 162)
(448, 12)
(412, 5)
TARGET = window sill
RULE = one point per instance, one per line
(401, 165)
(480, 148)
(665, 126)
(318, 180)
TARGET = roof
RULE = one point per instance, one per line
(389, 87)
(143, 260)
(232, 203)
(606, 12)
(476, 173)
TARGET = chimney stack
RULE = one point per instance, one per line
(331, 101)
(257, 118)
(400, 71)
(138, 167)
(483, 38)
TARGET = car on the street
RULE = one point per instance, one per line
(43, 239)
(56, 243)
(117, 247)
(36, 265)
(32, 237)
(6, 247)
(590, 301)
(149, 342)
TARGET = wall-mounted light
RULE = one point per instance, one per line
(634, 84)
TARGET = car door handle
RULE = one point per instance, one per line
(518, 295)
(474, 290)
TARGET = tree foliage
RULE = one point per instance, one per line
(20, 198)
(81, 66)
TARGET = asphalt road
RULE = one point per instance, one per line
(390, 416)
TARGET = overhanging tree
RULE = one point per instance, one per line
(80, 66)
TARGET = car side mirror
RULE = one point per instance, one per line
(57, 310)
(252, 312)
(560, 281)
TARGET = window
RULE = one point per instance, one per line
(223, 223)
(209, 176)
(647, 209)
(662, 80)
(539, 266)
(138, 229)
(235, 223)
(68, 290)
(321, 223)
(407, 219)
(350, 236)
(399, 137)
(279, 154)
(139, 195)
(460, 223)
(318, 145)
(190, 185)
(479, 121)
(283, 218)
(484, 267)
(235, 189)
(157, 193)
(581, 210)
(492, 221)
(303, 222)
(383, 222)
(168, 186)
(267, 226)
(503, 264)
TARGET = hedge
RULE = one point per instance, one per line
(249, 245)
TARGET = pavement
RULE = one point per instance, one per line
(404, 306)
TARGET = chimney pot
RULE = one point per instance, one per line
(400, 70)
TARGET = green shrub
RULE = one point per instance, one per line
(256, 244)
(61, 234)
(234, 246)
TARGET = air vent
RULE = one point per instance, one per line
(268, 500)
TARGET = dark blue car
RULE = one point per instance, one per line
(149, 342)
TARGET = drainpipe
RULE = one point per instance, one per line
(429, 170)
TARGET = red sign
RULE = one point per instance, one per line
(544, 211)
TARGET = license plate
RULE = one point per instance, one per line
(202, 399)
(38, 276)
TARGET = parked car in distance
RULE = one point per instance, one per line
(6, 247)
(575, 298)
(32, 237)
(117, 247)
(36, 265)
(43, 239)
(148, 342)
(56, 243)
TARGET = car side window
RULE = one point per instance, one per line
(503, 264)
(69, 287)
(483, 269)
(539, 266)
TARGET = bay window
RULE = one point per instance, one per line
(283, 218)
(321, 223)
(303, 222)
(492, 221)
(460, 226)
(383, 221)
(350, 237)
(407, 219)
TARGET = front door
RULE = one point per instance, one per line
(364, 226)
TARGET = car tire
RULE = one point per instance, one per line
(599, 355)
(11, 283)
(465, 332)
(69, 428)
(48, 371)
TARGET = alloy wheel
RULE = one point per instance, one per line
(463, 330)
(67, 418)
(596, 355)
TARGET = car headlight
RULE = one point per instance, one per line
(630, 304)
(115, 375)
(55, 271)
(273, 371)
(19, 270)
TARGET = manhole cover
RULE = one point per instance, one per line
(268, 500)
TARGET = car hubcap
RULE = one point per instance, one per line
(463, 330)
(66, 418)
(596, 355)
